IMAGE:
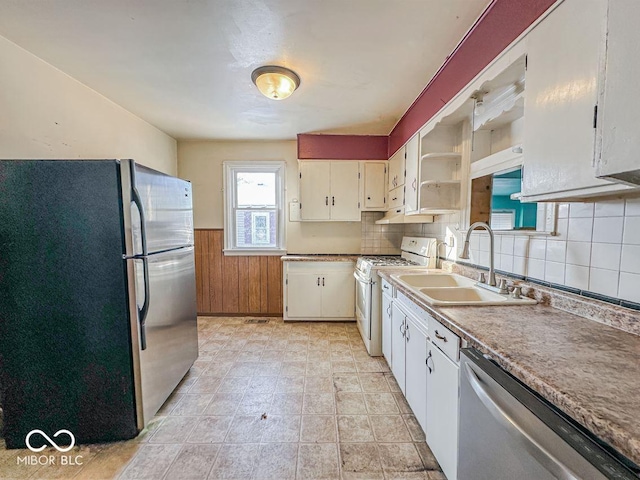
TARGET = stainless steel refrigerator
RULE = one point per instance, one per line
(97, 296)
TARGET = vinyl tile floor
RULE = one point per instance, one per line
(268, 400)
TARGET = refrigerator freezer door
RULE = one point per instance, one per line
(170, 325)
(65, 348)
(167, 208)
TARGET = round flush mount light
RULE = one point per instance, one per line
(276, 83)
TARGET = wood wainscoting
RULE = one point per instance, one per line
(235, 285)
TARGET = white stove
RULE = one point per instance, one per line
(416, 252)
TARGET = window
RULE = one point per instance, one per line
(254, 199)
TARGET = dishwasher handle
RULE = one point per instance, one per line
(546, 458)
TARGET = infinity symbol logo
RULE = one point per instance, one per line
(53, 444)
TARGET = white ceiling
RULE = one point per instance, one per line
(185, 65)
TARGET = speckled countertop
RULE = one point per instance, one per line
(319, 258)
(588, 369)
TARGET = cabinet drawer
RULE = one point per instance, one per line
(396, 197)
(445, 339)
(387, 288)
(414, 310)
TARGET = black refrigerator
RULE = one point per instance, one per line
(97, 296)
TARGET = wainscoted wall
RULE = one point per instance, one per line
(597, 248)
(234, 284)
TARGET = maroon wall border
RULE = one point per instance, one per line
(342, 147)
(499, 25)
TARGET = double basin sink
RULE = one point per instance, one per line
(448, 289)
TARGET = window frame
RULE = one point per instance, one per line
(229, 193)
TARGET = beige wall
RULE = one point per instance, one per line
(201, 163)
(44, 113)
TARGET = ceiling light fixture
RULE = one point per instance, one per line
(276, 83)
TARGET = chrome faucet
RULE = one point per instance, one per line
(465, 253)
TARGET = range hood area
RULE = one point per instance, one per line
(397, 216)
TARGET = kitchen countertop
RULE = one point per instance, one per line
(319, 258)
(589, 370)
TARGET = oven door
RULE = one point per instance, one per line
(363, 304)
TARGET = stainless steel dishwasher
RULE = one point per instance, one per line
(508, 432)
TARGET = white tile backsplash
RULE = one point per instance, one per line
(579, 253)
(629, 287)
(554, 272)
(556, 251)
(632, 208)
(580, 229)
(630, 261)
(606, 255)
(519, 265)
(577, 276)
(538, 248)
(521, 246)
(535, 268)
(506, 247)
(597, 248)
(631, 234)
(609, 208)
(604, 282)
(577, 210)
(563, 210)
(608, 230)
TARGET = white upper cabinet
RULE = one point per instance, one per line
(345, 205)
(618, 141)
(411, 178)
(329, 191)
(563, 77)
(315, 190)
(373, 185)
(396, 168)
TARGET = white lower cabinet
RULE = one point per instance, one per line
(386, 326)
(424, 361)
(409, 342)
(319, 290)
(398, 325)
(416, 370)
(442, 410)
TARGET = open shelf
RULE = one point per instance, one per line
(443, 155)
(508, 158)
(439, 196)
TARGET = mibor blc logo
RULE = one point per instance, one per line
(50, 459)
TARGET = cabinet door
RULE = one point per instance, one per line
(411, 180)
(374, 185)
(396, 169)
(315, 190)
(304, 295)
(387, 331)
(563, 64)
(619, 123)
(344, 191)
(416, 371)
(338, 294)
(398, 345)
(442, 410)
(396, 197)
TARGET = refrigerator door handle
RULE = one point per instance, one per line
(142, 312)
(137, 200)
